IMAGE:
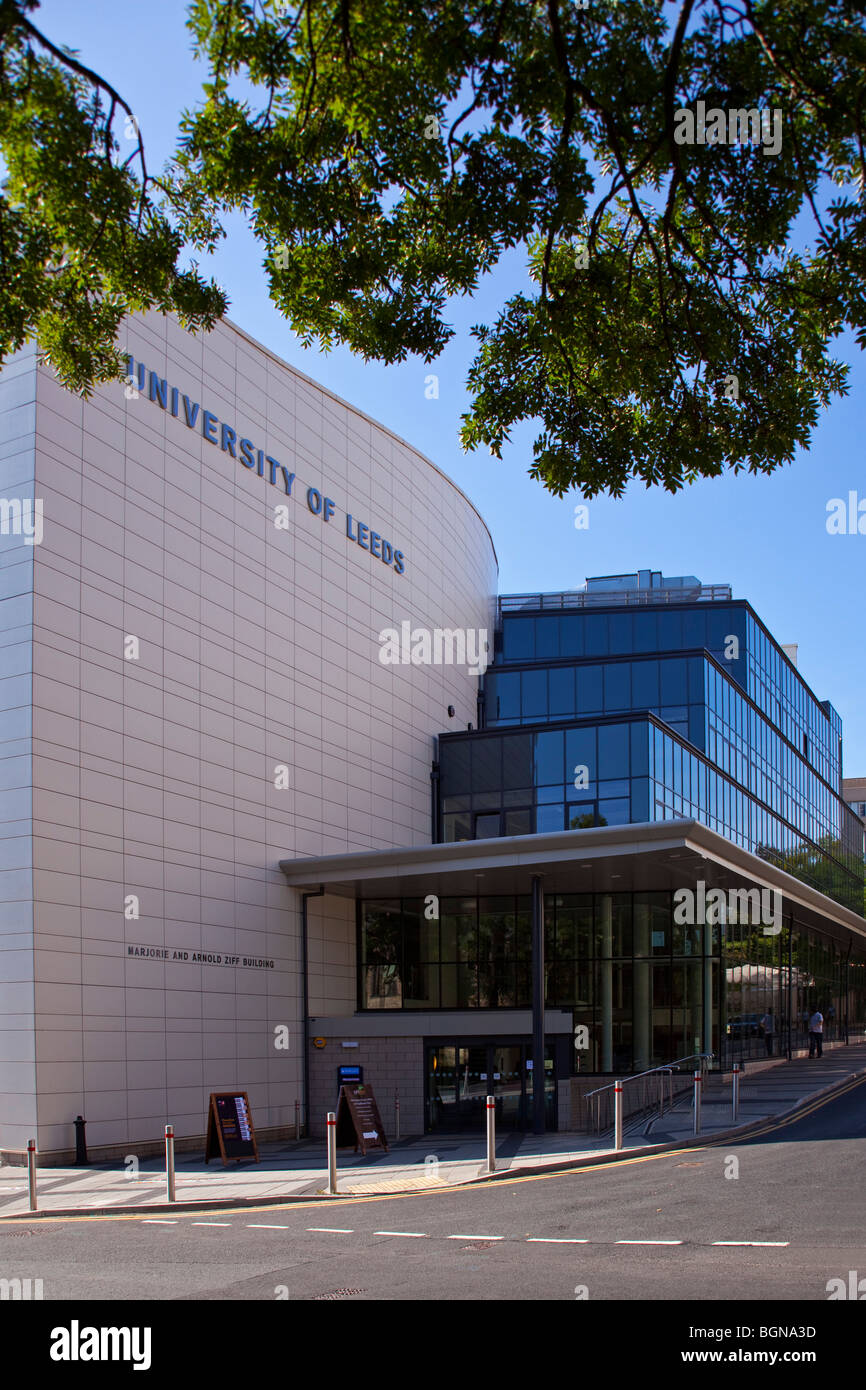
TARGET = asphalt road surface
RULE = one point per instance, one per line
(772, 1218)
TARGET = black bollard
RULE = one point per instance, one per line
(80, 1141)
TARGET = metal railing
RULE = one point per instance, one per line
(601, 1102)
(628, 598)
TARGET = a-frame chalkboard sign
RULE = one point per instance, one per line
(358, 1120)
(230, 1131)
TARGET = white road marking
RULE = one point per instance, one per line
(774, 1243)
(475, 1237)
(210, 1223)
(265, 1226)
(554, 1240)
(332, 1230)
(417, 1235)
(648, 1242)
(155, 1221)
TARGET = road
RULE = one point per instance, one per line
(774, 1217)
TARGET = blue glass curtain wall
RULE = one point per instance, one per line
(647, 989)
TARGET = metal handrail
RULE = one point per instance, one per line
(666, 1067)
(649, 1102)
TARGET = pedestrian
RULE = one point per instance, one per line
(769, 1027)
(816, 1034)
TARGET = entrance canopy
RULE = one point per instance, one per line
(605, 859)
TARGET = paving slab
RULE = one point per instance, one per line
(429, 1162)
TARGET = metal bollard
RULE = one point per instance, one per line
(31, 1172)
(396, 1114)
(617, 1115)
(169, 1162)
(735, 1092)
(491, 1135)
(297, 1119)
(80, 1140)
(332, 1153)
(697, 1102)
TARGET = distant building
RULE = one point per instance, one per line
(854, 792)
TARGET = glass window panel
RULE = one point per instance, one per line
(670, 631)
(697, 669)
(613, 747)
(518, 639)
(517, 762)
(640, 800)
(596, 634)
(381, 932)
(495, 927)
(420, 933)
(645, 684)
(487, 825)
(457, 925)
(561, 986)
(673, 682)
(533, 698)
(518, 822)
(503, 695)
(590, 699)
(639, 740)
(549, 765)
(574, 926)
(561, 681)
(457, 827)
(546, 638)
(523, 927)
(467, 986)
(448, 986)
(645, 632)
(614, 812)
(580, 751)
(617, 686)
(571, 635)
(486, 764)
(548, 795)
(582, 816)
(421, 987)
(694, 626)
(614, 787)
(621, 918)
(620, 633)
(454, 765)
(549, 818)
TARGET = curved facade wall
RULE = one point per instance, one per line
(207, 697)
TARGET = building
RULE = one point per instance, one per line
(643, 744)
(267, 812)
(854, 792)
(190, 690)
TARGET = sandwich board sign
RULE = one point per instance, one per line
(358, 1120)
(230, 1129)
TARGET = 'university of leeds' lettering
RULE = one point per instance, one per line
(142, 381)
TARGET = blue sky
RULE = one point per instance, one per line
(765, 536)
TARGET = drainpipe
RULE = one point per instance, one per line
(319, 893)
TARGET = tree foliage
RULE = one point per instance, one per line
(399, 147)
(81, 240)
(681, 300)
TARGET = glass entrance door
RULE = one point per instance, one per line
(508, 1076)
(460, 1078)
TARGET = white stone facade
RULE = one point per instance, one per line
(145, 780)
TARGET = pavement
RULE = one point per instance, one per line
(425, 1163)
